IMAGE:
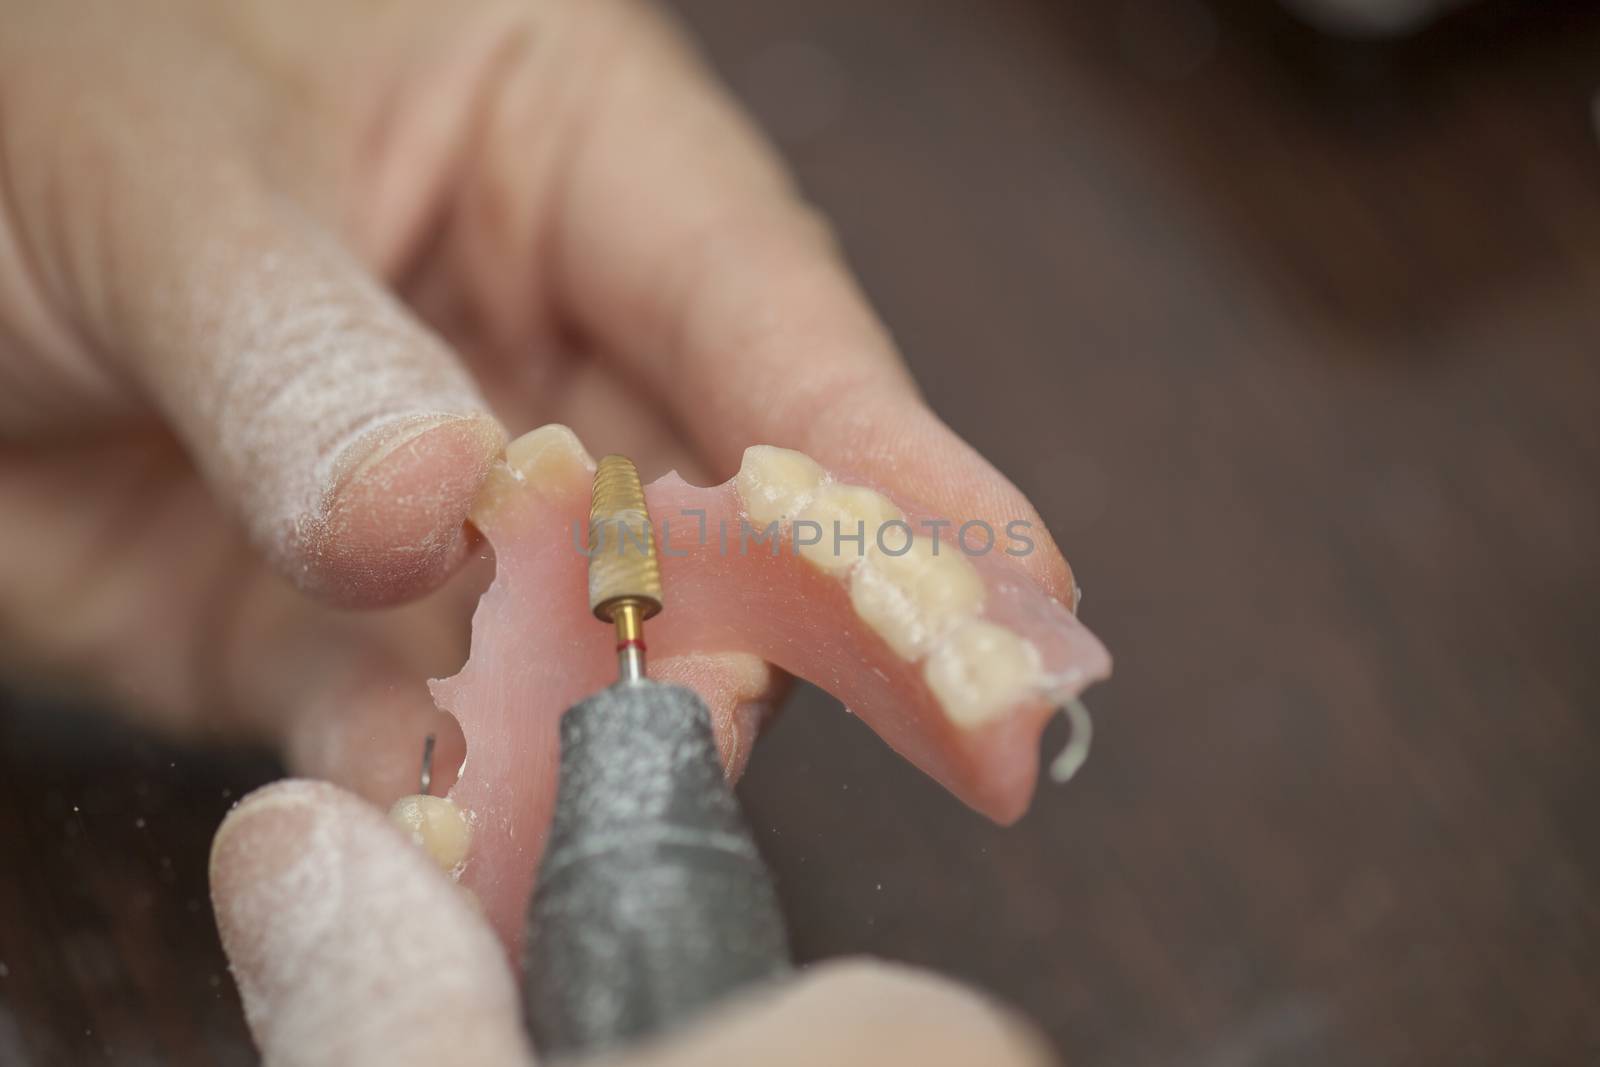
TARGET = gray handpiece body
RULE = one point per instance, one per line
(652, 901)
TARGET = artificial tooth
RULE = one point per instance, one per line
(544, 456)
(980, 671)
(913, 599)
(774, 483)
(841, 523)
(437, 825)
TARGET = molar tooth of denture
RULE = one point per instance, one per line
(541, 456)
(437, 825)
(859, 513)
(774, 482)
(980, 671)
(913, 599)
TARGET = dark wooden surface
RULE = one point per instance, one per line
(1295, 347)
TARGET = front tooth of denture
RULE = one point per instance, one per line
(774, 483)
(841, 523)
(913, 599)
(552, 448)
(540, 457)
(436, 825)
(980, 671)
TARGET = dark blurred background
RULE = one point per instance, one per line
(1293, 339)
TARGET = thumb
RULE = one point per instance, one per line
(348, 945)
(345, 436)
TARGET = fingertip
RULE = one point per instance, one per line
(233, 844)
(260, 841)
(348, 945)
(393, 525)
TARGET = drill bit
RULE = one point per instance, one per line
(624, 577)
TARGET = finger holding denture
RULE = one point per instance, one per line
(924, 628)
(347, 947)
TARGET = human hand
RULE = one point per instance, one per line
(273, 275)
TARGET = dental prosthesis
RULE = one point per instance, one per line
(923, 627)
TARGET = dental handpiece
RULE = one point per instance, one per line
(652, 902)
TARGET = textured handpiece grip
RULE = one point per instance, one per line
(652, 902)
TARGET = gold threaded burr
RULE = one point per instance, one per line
(624, 577)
